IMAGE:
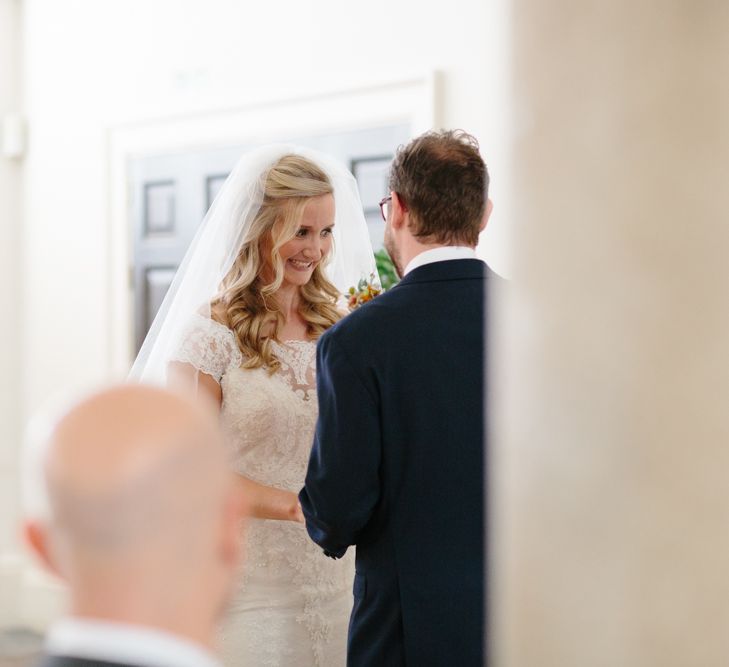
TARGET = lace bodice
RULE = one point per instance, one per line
(270, 420)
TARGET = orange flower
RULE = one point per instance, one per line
(365, 291)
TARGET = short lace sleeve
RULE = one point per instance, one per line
(208, 346)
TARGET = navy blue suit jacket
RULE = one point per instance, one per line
(397, 467)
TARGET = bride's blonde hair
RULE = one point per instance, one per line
(246, 303)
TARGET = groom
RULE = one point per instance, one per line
(397, 465)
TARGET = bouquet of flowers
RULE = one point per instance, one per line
(366, 290)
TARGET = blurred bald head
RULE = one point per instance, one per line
(142, 510)
(133, 464)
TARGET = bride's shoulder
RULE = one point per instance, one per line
(209, 319)
(203, 330)
(208, 345)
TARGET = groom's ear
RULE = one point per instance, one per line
(398, 217)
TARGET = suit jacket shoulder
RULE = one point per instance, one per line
(413, 288)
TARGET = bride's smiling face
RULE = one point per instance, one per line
(311, 243)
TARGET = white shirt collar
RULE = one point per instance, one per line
(440, 255)
(129, 644)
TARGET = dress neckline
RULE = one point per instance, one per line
(287, 341)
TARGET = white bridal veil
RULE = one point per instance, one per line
(220, 237)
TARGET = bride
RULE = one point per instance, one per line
(261, 282)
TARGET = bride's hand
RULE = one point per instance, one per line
(296, 513)
(269, 502)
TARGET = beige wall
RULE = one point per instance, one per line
(610, 466)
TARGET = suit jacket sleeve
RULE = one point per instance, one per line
(342, 484)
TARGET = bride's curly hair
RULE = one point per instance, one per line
(246, 303)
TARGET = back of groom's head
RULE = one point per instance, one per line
(442, 180)
(141, 516)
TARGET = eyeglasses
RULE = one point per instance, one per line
(385, 206)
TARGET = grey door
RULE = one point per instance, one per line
(172, 193)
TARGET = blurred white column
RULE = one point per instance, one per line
(10, 304)
(610, 464)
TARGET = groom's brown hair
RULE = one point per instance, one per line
(443, 182)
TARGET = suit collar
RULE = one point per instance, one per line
(440, 254)
(452, 269)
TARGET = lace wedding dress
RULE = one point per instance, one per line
(292, 603)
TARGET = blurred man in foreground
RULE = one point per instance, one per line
(142, 521)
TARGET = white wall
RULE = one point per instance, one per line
(91, 66)
(10, 376)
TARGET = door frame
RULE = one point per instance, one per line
(413, 100)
